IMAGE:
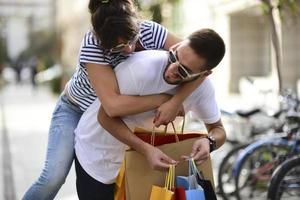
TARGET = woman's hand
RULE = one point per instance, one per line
(167, 112)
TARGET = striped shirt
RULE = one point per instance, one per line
(152, 36)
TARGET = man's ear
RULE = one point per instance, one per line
(207, 72)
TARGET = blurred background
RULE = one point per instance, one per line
(39, 45)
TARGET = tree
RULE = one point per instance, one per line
(3, 54)
(274, 10)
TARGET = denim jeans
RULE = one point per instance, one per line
(60, 151)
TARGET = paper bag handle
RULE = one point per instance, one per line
(193, 170)
(170, 178)
(165, 131)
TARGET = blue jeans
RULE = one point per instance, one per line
(60, 151)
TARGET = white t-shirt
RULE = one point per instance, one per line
(98, 152)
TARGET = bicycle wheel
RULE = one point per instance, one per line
(254, 172)
(285, 182)
(225, 178)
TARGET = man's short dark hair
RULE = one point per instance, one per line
(209, 45)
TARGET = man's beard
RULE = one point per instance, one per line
(164, 76)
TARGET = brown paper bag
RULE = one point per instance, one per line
(139, 177)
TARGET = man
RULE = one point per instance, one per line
(99, 153)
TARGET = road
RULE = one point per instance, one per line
(24, 121)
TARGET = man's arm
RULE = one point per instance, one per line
(117, 128)
(201, 149)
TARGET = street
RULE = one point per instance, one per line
(24, 121)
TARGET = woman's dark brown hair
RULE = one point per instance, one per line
(113, 19)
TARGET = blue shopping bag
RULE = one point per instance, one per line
(193, 190)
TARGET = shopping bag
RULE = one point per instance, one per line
(207, 186)
(139, 177)
(179, 193)
(197, 178)
(164, 193)
(120, 184)
(157, 138)
(195, 191)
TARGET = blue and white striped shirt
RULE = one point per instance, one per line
(152, 36)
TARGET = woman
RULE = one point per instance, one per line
(116, 33)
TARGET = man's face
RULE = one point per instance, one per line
(184, 64)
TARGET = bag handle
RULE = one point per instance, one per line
(190, 173)
(165, 131)
(170, 178)
(153, 134)
(195, 169)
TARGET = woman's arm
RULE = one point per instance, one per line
(168, 111)
(104, 83)
(171, 41)
(117, 128)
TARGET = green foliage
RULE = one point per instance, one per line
(3, 52)
(156, 13)
(290, 6)
(137, 4)
(55, 85)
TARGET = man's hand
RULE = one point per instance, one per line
(167, 113)
(200, 151)
(157, 159)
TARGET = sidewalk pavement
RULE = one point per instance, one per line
(24, 119)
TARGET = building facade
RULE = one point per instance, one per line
(242, 23)
(19, 18)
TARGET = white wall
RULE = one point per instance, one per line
(17, 36)
(73, 21)
(16, 14)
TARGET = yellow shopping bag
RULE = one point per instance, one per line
(120, 184)
(164, 193)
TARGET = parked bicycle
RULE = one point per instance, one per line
(226, 180)
(256, 163)
(285, 181)
(271, 123)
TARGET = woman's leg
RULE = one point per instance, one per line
(90, 189)
(60, 152)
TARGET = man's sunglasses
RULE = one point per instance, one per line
(120, 47)
(183, 71)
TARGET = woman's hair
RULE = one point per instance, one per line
(113, 19)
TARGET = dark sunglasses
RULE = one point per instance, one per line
(120, 47)
(183, 71)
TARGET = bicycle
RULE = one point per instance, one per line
(256, 163)
(226, 186)
(285, 181)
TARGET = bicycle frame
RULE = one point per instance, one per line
(276, 141)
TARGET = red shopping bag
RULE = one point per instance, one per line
(160, 138)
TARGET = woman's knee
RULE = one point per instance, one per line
(55, 178)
